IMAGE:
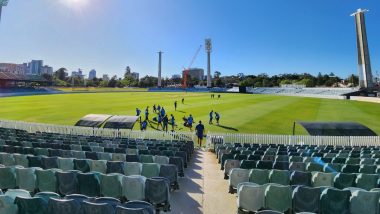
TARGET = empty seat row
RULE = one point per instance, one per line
(253, 197)
(20, 202)
(317, 179)
(37, 179)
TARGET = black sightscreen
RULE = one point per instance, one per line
(337, 129)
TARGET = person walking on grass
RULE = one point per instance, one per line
(147, 114)
(144, 124)
(217, 117)
(200, 128)
(154, 108)
(190, 121)
(175, 105)
(159, 121)
(183, 100)
(172, 121)
(211, 117)
(165, 122)
(162, 112)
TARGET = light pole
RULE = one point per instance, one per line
(208, 51)
(3, 3)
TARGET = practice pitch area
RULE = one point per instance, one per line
(243, 113)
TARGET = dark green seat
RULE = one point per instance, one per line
(344, 180)
(36, 205)
(259, 176)
(306, 199)
(367, 168)
(335, 201)
(7, 178)
(300, 178)
(89, 184)
(367, 181)
(82, 165)
(278, 198)
(279, 176)
(351, 168)
(248, 164)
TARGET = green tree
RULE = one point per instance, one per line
(60, 74)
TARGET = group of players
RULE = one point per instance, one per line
(163, 120)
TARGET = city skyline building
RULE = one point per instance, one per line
(92, 74)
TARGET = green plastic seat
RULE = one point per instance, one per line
(105, 156)
(132, 168)
(46, 180)
(161, 159)
(7, 159)
(47, 195)
(7, 177)
(279, 176)
(41, 152)
(367, 168)
(259, 176)
(21, 160)
(110, 185)
(65, 164)
(353, 161)
(322, 179)
(333, 167)
(364, 202)
(297, 166)
(118, 157)
(251, 197)
(296, 159)
(133, 187)
(344, 180)
(34, 205)
(146, 159)
(314, 167)
(79, 154)
(7, 205)
(278, 197)
(367, 181)
(89, 184)
(25, 178)
(335, 201)
(13, 193)
(150, 170)
(99, 166)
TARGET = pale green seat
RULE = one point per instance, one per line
(7, 177)
(105, 156)
(251, 197)
(314, 167)
(150, 170)
(279, 176)
(278, 197)
(46, 180)
(320, 179)
(364, 202)
(237, 176)
(7, 205)
(367, 181)
(97, 149)
(133, 187)
(7, 159)
(41, 151)
(146, 159)
(76, 147)
(13, 193)
(118, 157)
(99, 166)
(132, 151)
(65, 164)
(259, 176)
(132, 168)
(79, 154)
(26, 178)
(161, 159)
(21, 160)
(110, 185)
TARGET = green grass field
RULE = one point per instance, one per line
(241, 113)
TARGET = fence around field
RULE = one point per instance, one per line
(100, 132)
(292, 139)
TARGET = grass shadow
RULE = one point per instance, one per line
(182, 111)
(229, 128)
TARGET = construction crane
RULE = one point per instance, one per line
(186, 70)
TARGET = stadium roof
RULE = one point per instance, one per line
(337, 129)
(93, 120)
(19, 77)
(121, 122)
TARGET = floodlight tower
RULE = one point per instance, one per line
(3, 3)
(208, 47)
(364, 64)
(159, 68)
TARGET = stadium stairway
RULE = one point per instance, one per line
(202, 190)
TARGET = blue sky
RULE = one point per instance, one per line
(249, 36)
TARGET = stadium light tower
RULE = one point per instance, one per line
(364, 64)
(159, 69)
(3, 3)
(208, 47)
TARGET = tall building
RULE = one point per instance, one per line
(135, 75)
(47, 70)
(364, 63)
(197, 73)
(105, 77)
(12, 68)
(35, 67)
(92, 74)
(78, 73)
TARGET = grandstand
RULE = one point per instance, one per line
(307, 92)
